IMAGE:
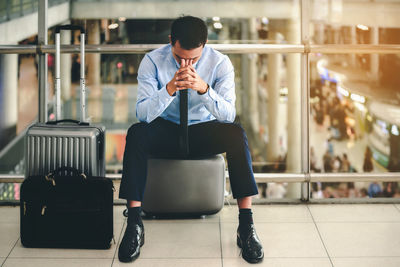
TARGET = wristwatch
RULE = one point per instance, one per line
(205, 91)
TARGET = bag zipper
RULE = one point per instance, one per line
(43, 210)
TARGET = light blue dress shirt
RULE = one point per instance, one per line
(158, 68)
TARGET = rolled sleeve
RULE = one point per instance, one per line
(209, 97)
(164, 95)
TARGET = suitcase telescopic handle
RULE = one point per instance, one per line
(82, 70)
(70, 27)
(82, 123)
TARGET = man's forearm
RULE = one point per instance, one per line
(149, 108)
(171, 91)
(222, 109)
(203, 91)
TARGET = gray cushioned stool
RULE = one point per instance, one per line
(185, 186)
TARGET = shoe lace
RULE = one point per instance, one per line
(130, 230)
(250, 233)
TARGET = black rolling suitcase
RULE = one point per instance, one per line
(66, 209)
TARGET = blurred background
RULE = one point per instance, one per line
(354, 97)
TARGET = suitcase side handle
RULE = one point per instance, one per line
(81, 123)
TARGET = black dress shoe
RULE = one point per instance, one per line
(248, 241)
(133, 239)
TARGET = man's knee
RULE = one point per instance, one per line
(237, 132)
(137, 132)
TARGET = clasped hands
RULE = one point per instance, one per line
(186, 77)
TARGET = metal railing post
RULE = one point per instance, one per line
(42, 68)
(305, 100)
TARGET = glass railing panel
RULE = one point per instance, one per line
(27, 6)
(112, 90)
(15, 6)
(19, 96)
(232, 20)
(12, 9)
(354, 22)
(3, 11)
(113, 101)
(9, 192)
(262, 89)
(354, 126)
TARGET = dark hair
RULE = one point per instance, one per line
(190, 31)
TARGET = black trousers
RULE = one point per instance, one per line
(160, 138)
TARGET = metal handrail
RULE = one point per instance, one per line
(355, 49)
(225, 48)
(275, 177)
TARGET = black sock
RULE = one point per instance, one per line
(245, 217)
(134, 215)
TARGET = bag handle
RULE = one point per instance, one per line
(68, 121)
(57, 172)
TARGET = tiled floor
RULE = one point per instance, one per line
(292, 235)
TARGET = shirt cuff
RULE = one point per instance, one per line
(210, 96)
(164, 95)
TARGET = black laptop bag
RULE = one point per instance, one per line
(66, 209)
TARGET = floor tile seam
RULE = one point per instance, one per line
(180, 258)
(199, 258)
(364, 257)
(9, 253)
(334, 207)
(359, 222)
(320, 236)
(232, 221)
(187, 258)
(397, 208)
(117, 242)
(149, 223)
(59, 258)
(271, 221)
(281, 257)
(257, 222)
(220, 242)
(318, 221)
